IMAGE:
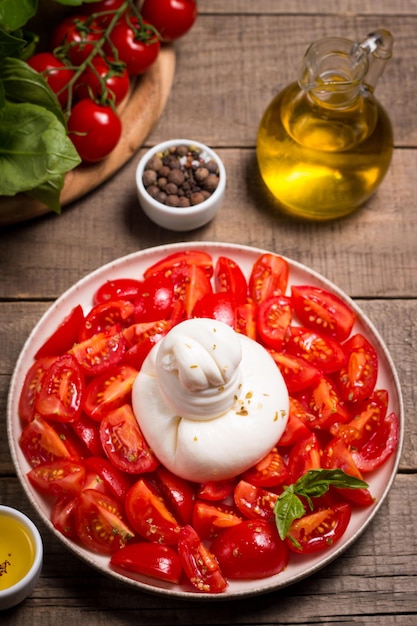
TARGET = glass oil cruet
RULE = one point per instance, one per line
(325, 143)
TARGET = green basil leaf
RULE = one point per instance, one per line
(34, 148)
(10, 45)
(15, 13)
(287, 508)
(48, 193)
(22, 84)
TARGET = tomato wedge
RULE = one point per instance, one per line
(320, 351)
(304, 456)
(58, 478)
(318, 530)
(99, 522)
(216, 490)
(337, 455)
(149, 516)
(118, 289)
(41, 443)
(269, 277)
(254, 502)
(323, 311)
(200, 566)
(123, 442)
(101, 351)
(358, 377)
(108, 391)
(191, 283)
(106, 315)
(296, 428)
(31, 386)
(149, 559)
(325, 404)
(245, 319)
(61, 390)
(273, 320)
(297, 372)
(117, 482)
(218, 306)
(64, 337)
(208, 520)
(229, 278)
(62, 516)
(196, 258)
(178, 493)
(271, 471)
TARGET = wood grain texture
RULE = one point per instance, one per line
(238, 55)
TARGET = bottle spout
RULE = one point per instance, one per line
(378, 46)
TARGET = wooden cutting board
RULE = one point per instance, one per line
(139, 113)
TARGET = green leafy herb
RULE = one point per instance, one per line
(313, 484)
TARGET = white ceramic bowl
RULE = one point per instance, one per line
(30, 569)
(176, 218)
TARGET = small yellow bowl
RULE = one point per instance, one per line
(21, 557)
(174, 217)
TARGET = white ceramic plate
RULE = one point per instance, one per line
(134, 265)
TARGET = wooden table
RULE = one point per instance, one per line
(238, 55)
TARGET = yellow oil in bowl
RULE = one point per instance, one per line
(17, 551)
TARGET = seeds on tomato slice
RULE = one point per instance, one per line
(61, 390)
(108, 391)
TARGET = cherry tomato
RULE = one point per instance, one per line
(215, 490)
(62, 516)
(323, 311)
(108, 391)
(295, 428)
(103, 10)
(305, 455)
(41, 443)
(149, 516)
(269, 277)
(269, 472)
(218, 306)
(149, 559)
(254, 502)
(191, 283)
(252, 549)
(94, 130)
(200, 566)
(325, 404)
(104, 81)
(64, 337)
(172, 18)
(178, 493)
(31, 386)
(118, 289)
(320, 351)
(105, 315)
(198, 258)
(87, 430)
(337, 455)
(358, 377)
(58, 478)
(80, 34)
(61, 390)
(229, 278)
(123, 442)
(117, 483)
(208, 520)
(100, 352)
(297, 372)
(55, 72)
(134, 44)
(155, 298)
(318, 530)
(99, 522)
(273, 320)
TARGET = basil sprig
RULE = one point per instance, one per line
(313, 484)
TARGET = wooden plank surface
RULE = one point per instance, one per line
(235, 59)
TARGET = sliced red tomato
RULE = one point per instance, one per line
(62, 516)
(357, 378)
(187, 257)
(191, 283)
(210, 519)
(298, 373)
(218, 306)
(254, 502)
(106, 315)
(200, 566)
(61, 391)
(124, 444)
(118, 289)
(40, 443)
(87, 430)
(178, 494)
(149, 516)
(304, 456)
(64, 337)
(31, 386)
(229, 278)
(323, 311)
(296, 428)
(58, 478)
(273, 320)
(245, 319)
(117, 482)
(108, 391)
(252, 549)
(271, 471)
(149, 559)
(320, 351)
(216, 490)
(325, 404)
(100, 352)
(155, 298)
(318, 530)
(336, 455)
(99, 522)
(269, 277)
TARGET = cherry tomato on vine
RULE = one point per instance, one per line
(79, 33)
(136, 45)
(55, 72)
(94, 130)
(172, 18)
(104, 10)
(104, 81)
